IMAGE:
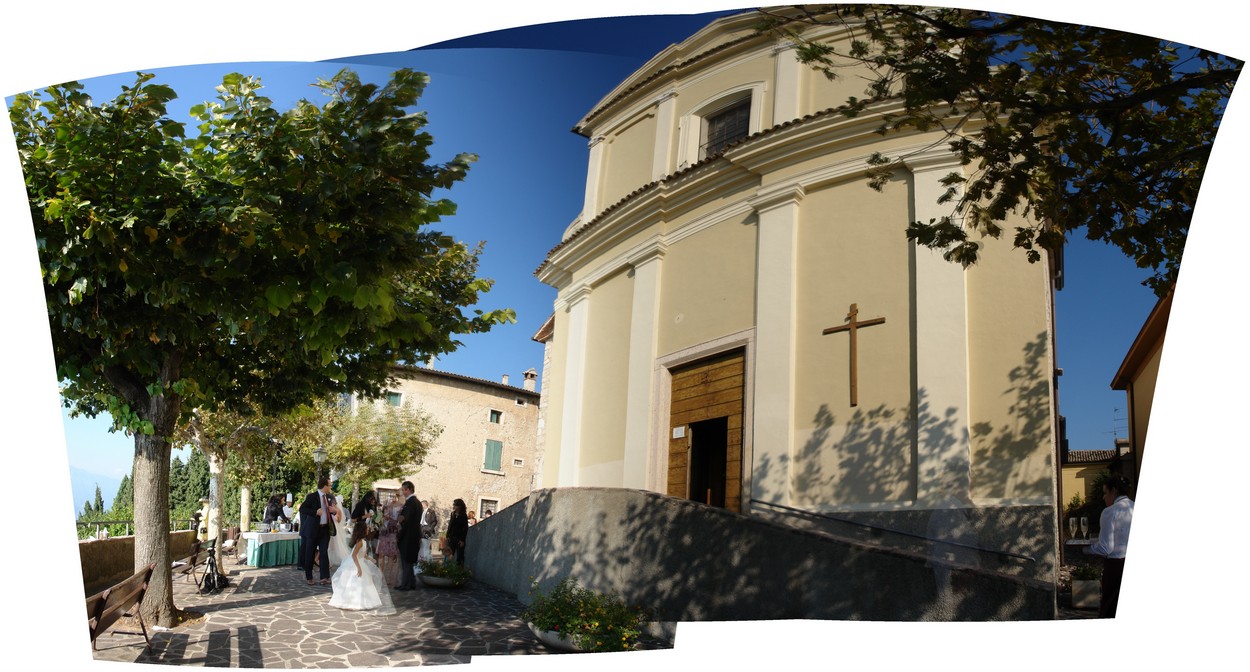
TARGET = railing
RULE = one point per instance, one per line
(1002, 555)
(174, 525)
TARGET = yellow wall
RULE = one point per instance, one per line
(1010, 361)
(852, 250)
(629, 151)
(1143, 397)
(553, 395)
(708, 286)
(607, 361)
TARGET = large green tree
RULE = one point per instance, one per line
(271, 257)
(1076, 126)
(379, 441)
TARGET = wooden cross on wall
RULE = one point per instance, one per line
(853, 325)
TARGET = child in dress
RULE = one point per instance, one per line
(358, 584)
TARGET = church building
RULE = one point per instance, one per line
(742, 322)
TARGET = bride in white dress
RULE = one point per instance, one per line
(339, 548)
(358, 584)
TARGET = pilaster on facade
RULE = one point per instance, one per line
(787, 95)
(665, 135)
(647, 267)
(576, 303)
(775, 329)
(594, 178)
(941, 349)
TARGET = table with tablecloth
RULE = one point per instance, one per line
(268, 549)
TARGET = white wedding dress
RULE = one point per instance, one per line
(365, 592)
(338, 544)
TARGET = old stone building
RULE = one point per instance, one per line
(486, 452)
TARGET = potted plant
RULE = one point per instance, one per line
(572, 618)
(443, 574)
(1086, 586)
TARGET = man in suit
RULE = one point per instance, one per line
(409, 537)
(314, 530)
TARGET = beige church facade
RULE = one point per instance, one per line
(742, 322)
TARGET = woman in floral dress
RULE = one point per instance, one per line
(387, 550)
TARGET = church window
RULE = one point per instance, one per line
(725, 127)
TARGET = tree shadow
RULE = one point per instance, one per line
(877, 527)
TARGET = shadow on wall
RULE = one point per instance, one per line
(689, 562)
(871, 457)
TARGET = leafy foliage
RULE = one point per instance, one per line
(594, 621)
(379, 441)
(445, 570)
(270, 258)
(1074, 126)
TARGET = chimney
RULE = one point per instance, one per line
(505, 379)
(429, 362)
(531, 378)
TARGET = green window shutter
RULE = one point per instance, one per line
(494, 455)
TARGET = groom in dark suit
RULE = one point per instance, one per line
(409, 537)
(314, 530)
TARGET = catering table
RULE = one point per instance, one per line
(268, 549)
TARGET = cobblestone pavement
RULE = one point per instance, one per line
(269, 617)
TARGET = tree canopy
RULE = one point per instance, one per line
(1075, 126)
(270, 258)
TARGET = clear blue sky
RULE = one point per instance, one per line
(1202, 395)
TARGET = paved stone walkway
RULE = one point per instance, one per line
(269, 617)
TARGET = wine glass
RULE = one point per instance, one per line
(1072, 527)
(1085, 526)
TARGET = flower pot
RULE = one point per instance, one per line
(437, 581)
(1085, 594)
(554, 640)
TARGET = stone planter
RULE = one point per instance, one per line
(438, 581)
(555, 640)
(1085, 594)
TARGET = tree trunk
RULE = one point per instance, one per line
(245, 508)
(151, 490)
(216, 502)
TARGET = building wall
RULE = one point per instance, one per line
(454, 466)
(607, 359)
(1142, 395)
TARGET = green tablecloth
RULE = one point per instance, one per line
(269, 550)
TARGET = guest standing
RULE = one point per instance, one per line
(409, 537)
(1113, 541)
(314, 530)
(458, 530)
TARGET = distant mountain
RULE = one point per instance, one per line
(83, 484)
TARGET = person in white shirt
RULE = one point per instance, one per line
(1112, 542)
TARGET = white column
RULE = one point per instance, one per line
(577, 306)
(590, 207)
(665, 131)
(643, 335)
(775, 326)
(787, 94)
(943, 467)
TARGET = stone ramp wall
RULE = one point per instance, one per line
(690, 562)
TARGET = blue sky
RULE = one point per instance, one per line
(1202, 384)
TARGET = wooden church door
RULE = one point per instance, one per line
(705, 418)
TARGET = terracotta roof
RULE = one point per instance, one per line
(1088, 456)
(407, 368)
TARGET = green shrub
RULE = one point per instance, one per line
(445, 570)
(1086, 573)
(593, 621)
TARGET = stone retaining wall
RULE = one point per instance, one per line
(689, 562)
(108, 561)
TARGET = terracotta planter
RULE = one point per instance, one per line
(437, 581)
(1085, 594)
(554, 640)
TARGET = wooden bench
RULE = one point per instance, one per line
(105, 608)
(187, 566)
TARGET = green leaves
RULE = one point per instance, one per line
(1075, 127)
(271, 256)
